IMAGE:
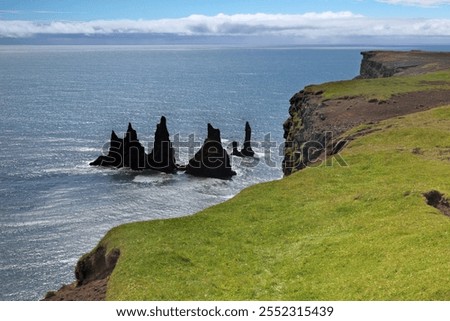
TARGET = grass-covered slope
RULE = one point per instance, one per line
(361, 232)
(385, 88)
(356, 232)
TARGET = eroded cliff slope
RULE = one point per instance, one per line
(319, 115)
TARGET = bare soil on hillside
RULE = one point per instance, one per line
(340, 115)
(92, 291)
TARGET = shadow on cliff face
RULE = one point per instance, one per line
(92, 273)
(96, 266)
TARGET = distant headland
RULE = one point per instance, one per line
(319, 114)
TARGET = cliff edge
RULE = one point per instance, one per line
(318, 115)
(324, 243)
(381, 64)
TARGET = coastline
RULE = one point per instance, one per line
(316, 117)
(311, 114)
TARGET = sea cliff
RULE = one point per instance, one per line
(382, 64)
(325, 234)
(319, 115)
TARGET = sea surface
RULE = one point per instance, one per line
(59, 104)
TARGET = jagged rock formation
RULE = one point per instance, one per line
(212, 160)
(246, 150)
(235, 151)
(162, 157)
(126, 152)
(115, 153)
(134, 155)
(129, 152)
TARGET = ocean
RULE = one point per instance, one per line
(59, 104)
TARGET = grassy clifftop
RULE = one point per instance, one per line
(363, 231)
(321, 112)
(385, 88)
(357, 232)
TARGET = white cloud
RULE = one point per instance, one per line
(9, 11)
(325, 25)
(420, 3)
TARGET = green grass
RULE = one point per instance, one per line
(384, 88)
(360, 232)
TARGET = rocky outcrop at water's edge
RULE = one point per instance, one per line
(92, 273)
(212, 160)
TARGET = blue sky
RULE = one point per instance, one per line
(156, 9)
(308, 21)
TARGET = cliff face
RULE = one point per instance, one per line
(92, 273)
(375, 68)
(304, 135)
(381, 64)
(311, 132)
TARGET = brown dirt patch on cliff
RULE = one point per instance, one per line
(92, 291)
(437, 200)
(340, 115)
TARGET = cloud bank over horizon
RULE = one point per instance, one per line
(313, 27)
